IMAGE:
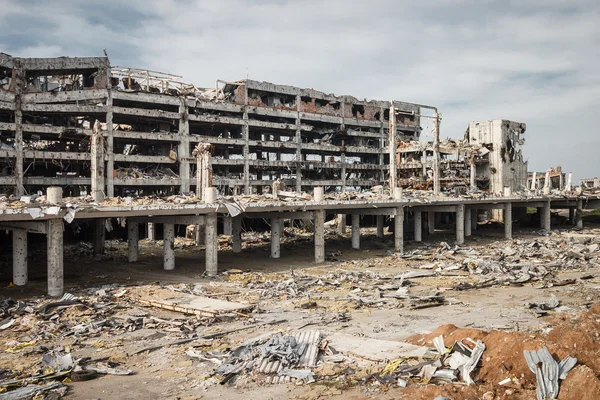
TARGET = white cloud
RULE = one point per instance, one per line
(531, 61)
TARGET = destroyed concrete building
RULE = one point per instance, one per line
(149, 123)
(553, 178)
(591, 183)
(505, 166)
(488, 158)
(83, 140)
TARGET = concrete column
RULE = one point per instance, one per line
(508, 220)
(97, 163)
(169, 246)
(473, 176)
(380, 226)
(151, 234)
(418, 226)
(468, 223)
(212, 245)
(236, 237)
(133, 237)
(436, 154)
(398, 193)
(431, 222)
(318, 193)
(572, 216)
(319, 221)
(54, 194)
(19, 257)
(460, 224)
(547, 183)
(579, 214)
(545, 217)
(200, 234)
(99, 235)
(183, 152)
(275, 238)
(392, 146)
(227, 226)
(210, 195)
(473, 219)
(341, 224)
(54, 229)
(399, 230)
(356, 231)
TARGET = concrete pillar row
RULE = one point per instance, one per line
(169, 247)
(133, 237)
(19, 257)
(356, 231)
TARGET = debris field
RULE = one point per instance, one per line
(518, 319)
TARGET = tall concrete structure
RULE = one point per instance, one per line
(504, 140)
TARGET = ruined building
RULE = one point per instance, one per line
(82, 125)
(488, 158)
(504, 166)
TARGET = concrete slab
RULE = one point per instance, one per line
(183, 302)
(375, 349)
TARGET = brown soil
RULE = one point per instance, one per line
(503, 358)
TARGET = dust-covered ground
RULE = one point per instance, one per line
(523, 294)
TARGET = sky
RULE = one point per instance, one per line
(529, 61)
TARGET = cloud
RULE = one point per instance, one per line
(530, 61)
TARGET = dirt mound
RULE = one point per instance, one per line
(503, 358)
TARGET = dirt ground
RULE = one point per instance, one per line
(498, 315)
